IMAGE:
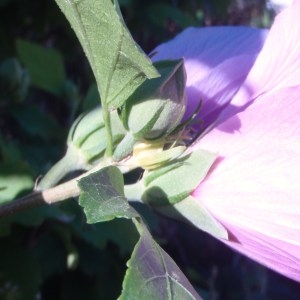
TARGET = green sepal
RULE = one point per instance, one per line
(156, 108)
(176, 180)
(124, 148)
(102, 196)
(191, 211)
(89, 132)
(85, 125)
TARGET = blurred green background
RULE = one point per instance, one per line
(45, 82)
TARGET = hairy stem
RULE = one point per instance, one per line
(64, 166)
(56, 194)
(53, 195)
(60, 192)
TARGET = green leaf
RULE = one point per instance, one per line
(175, 181)
(118, 63)
(191, 211)
(45, 66)
(35, 122)
(102, 196)
(152, 274)
(14, 179)
(150, 269)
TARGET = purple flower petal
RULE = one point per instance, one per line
(278, 64)
(253, 189)
(217, 61)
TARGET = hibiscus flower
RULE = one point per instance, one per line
(249, 83)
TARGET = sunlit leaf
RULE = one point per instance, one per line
(118, 63)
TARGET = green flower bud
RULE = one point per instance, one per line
(87, 136)
(86, 145)
(156, 108)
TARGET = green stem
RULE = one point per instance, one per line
(67, 164)
(53, 195)
(109, 137)
(63, 192)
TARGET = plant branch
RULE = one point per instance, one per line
(66, 164)
(56, 194)
(53, 195)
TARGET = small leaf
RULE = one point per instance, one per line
(152, 274)
(118, 63)
(103, 197)
(45, 66)
(175, 181)
(191, 211)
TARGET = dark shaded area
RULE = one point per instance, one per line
(218, 271)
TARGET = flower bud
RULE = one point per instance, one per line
(156, 108)
(86, 145)
(88, 136)
(86, 128)
(153, 155)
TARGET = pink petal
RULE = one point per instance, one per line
(278, 64)
(255, 245)
(254, 187)
(217, 60)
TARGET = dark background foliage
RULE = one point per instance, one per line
(50, 252)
